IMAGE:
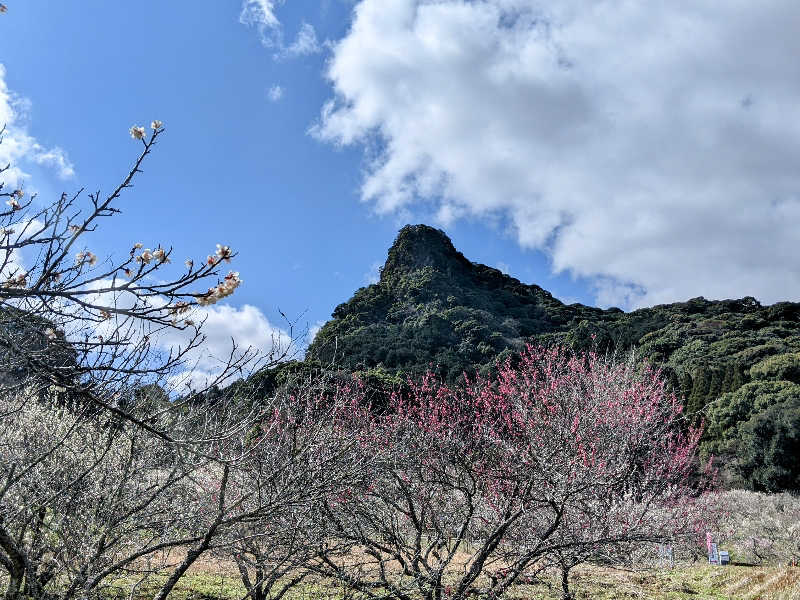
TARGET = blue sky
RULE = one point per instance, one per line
(613, 154)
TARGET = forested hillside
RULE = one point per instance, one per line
(433, 308)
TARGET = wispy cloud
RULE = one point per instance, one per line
(275, 93)
(260, 14)
(305, 43)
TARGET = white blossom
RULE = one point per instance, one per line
(224, 252)
(145, 257)
(156, 125)
(160, 255)
(137, 132)
(223, 290)
(86, 256)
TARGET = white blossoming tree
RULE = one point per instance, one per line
(107, 478)
(87, 328)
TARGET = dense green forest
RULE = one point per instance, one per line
(736, 363)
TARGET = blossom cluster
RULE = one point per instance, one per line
(86, 256)
(223, 253)
(137, 131)
(148, 255)
(223, 290)
(13, 201)
(19, 281)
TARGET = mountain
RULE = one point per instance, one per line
(735, 362)
(434, 308)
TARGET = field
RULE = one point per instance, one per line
(682, 583)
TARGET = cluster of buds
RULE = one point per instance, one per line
(223, 290)
(104, 315)
(87, 256)
(20, 281)
(137, 131)
(50, 333)
(13, 201)
(181, 307)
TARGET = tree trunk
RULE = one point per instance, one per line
(565, 595)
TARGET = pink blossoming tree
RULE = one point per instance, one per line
(474, 488)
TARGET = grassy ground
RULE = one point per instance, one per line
(682, 583)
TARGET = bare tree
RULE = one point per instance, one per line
(760, 528)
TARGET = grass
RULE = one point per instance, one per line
(681, 583)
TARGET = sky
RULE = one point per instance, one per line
(616, 153)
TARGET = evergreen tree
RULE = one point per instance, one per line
(739, 378)
(715, 387)
(701, 383)
(686, 387)
(727, 380)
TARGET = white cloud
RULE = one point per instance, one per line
(651, 147)
(313, 331)
(227, 331)
(19, 146)
(374, 274)
(53, 157)
(261, 15)
(223, 325)
(503, 267)
(306, 42)
(275, 93)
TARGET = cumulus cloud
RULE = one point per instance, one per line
(653, 148)
(223, 325)
(18, 145)
(228, 332)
